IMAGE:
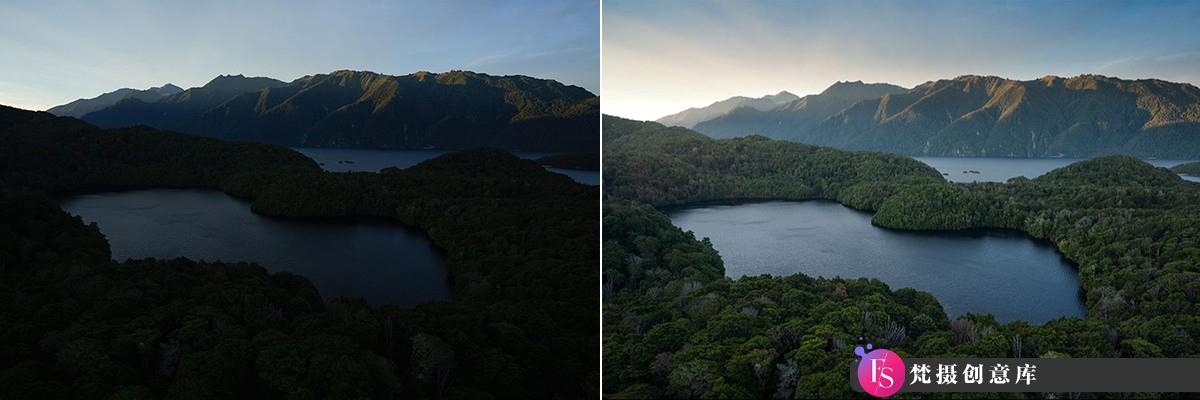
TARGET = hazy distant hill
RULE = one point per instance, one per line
(1049, 117)
(456, 109)
(178, 111)
(692, 116)
(81, 107)
(800, 114)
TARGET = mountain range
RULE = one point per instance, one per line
(692, 116)
(782, 120)
(361, 109)
(988, 116)
(81, 107)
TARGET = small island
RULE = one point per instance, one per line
(1190, 169)
(579, 161)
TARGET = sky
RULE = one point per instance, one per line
(54, 52)
(661, 57)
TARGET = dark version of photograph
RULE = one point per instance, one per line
(299, 199)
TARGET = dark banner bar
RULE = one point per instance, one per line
(1034, 375)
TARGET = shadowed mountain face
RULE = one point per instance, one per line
(449, 110)
(977, 116)
(801, 113)
(692, 116)
(81, 107)
(178, 111)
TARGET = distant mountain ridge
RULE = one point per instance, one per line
(81, 107)
(451, 110)
(802, 113)
(988, 116)
(178, 111)
(692, 116)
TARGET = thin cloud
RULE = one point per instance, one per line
(1111, 64)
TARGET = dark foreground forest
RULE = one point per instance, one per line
(676, 327)
(521, 245)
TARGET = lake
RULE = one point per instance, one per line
(1001, 169)
(374, 160)
(383, 262)
(1007, 274)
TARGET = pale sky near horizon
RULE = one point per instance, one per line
(661, 57)
(54, 52)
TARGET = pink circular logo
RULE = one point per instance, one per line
(880, 372)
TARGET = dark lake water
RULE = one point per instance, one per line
(375, 160)
(1001, 169)
(1006, 274)
(385, 263)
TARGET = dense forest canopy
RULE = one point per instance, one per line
(675, 326)
(521, 246)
